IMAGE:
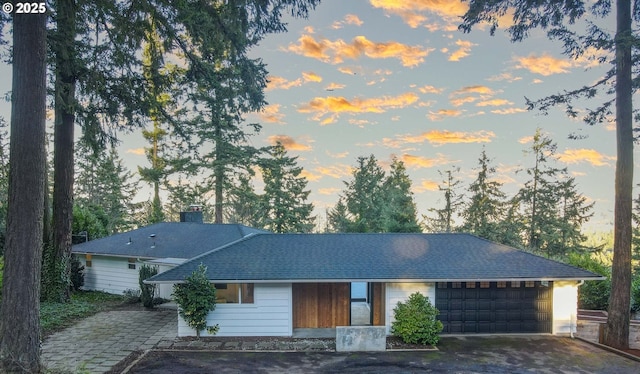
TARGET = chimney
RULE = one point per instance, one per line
(193, 214)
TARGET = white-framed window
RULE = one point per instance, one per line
(234, 293)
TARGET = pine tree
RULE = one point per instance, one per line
(364, 196)
(19, 321)
(444, 217)
(338, 218)
(243, 204)
(557, 18)
(106, 186)
(484, 212)
(95, 49)
(4, 181)
(284, 202)
(400, 210)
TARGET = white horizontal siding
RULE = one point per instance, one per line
(400, 292)
(270, 315)
(112, 275)
(109, 274)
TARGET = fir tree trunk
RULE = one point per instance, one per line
(19, 320)
(219, 174)
(65, 87)
(617, 329)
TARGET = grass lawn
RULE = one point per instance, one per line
(56, 316)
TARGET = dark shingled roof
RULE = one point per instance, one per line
(171, 239)
(370, 257)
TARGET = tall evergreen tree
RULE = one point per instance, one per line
(95, 52)
(364, 196)
(444, 217)
(557, 18)
(105, 185)
(484, 212)
(338, 218)
(4, 181)
(20, 321)
(539, 195)
(243, 203)
(400, 210)
(285, 207)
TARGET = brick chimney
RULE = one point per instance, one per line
(193, 214)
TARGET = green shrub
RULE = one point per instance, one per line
(416, 321)
(77, 274)
(147, 291)
(131, 296)
(593, 295)
(635, 293)
(196, 297)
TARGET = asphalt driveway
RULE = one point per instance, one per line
(477, 354)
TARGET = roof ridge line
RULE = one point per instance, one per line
(250, 235)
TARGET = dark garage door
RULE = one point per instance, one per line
(495, 307)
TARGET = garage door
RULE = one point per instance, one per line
(495, 307)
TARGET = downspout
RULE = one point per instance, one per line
(571, 323)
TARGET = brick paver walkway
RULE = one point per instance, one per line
(97, 343)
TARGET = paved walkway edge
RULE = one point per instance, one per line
(135, 362)
(610, 349)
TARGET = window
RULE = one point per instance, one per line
(456, 284)
(132, 263)
(502, 284)
(471, 285)
(87, 261)
(529, 284)
(234, 293)
(485, 284)
(515, 284)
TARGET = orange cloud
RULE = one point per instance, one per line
(463, 50)
(544, 65)
(478, 89)
(418, 162)
(412, 11)
(494, 102)
(310, 176)
(440, 137)
(280, 83)
(525, 139)
(462, 100)
(504, 77)
(320, 106)
(335, 86)
(349, 19)
(335, 171)
(309, 76)
(271, 114)
(288, 143)
(508, 111)
(338, 155)
(430, 89)
(136, 151)
(328, 191)
(440, 114)
(591, 156)
(426, 185)
(346, 70)
(337, 51)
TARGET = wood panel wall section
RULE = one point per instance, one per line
(378, 303)
(321, 305)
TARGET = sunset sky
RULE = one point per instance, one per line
(396, 78)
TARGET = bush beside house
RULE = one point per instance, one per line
(416, 321)
(196, 297)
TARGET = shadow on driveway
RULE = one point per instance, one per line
(476, 354)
